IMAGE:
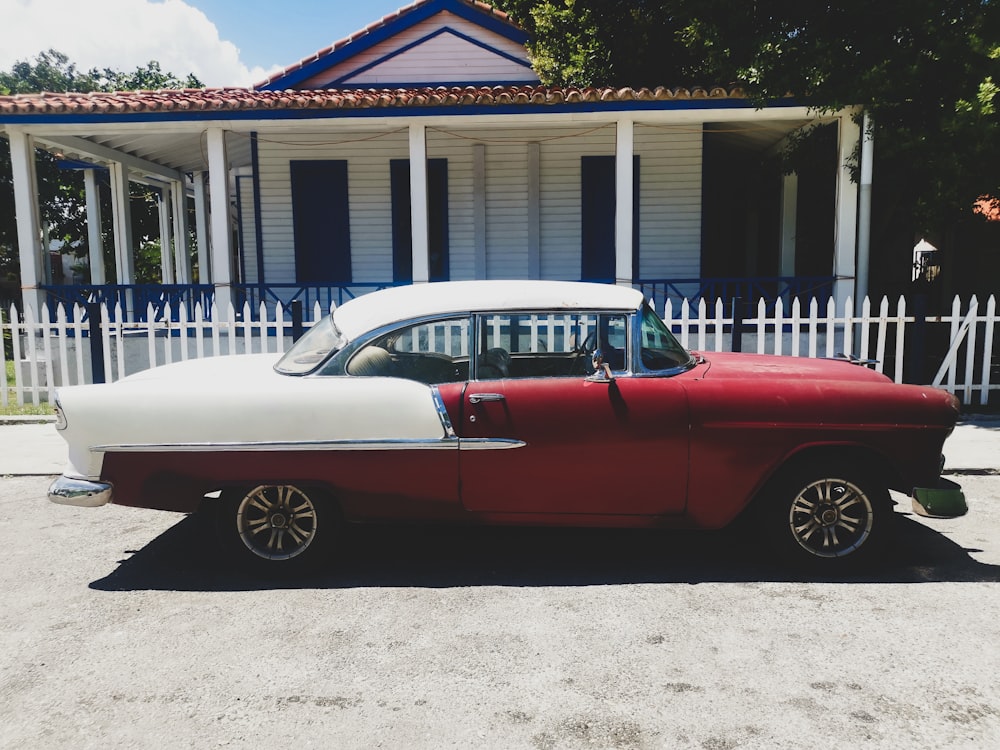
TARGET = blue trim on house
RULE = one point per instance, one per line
(436, 111)
(598, 197)
(393, 85)
(337, 83)
(402, 221)
(438, 260)
(321, 221)
(258, 224)
(76, 164)
(239, 230)
(391, 29)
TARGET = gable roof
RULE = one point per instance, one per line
(405, 49)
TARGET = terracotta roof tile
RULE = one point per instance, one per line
(247, 100)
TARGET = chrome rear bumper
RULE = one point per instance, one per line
(81, 492)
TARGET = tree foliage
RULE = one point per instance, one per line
(61, 192)
(927, 71)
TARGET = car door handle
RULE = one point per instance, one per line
(477, 398)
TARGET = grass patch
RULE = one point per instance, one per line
(12, 409)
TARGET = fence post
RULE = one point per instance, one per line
(96, 342)
(296, 320)
(917, 348)
(737, 324)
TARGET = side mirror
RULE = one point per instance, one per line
(602, 371)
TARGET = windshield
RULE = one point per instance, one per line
(309, 351)
(660, 350)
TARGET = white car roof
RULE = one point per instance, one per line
(402, 303)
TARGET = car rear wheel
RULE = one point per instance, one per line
(280, 526)
(828, 515)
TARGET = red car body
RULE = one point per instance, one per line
(690, 441)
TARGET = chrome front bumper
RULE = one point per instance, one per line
(80, 492)
(944, 501)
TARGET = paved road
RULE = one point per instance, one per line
(118, 630)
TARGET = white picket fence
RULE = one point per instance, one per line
(46, 355)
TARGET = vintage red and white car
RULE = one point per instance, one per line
(510, 402)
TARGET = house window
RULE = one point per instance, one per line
(597, 202)
(437, 219)
(322, 223)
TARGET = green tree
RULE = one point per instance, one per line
(926, 70)
(61, 191)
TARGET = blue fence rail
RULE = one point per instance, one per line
(749, 290)
(327, 296)
(136, 300)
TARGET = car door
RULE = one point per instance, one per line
(569, 444)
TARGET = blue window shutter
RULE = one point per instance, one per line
(597, 203)
(322, 223)
(437, 219)
(402, 234)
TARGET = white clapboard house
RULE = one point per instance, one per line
(423, 147)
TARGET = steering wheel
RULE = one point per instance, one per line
(582, 362)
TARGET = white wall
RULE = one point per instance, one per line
(670, 197)
(369, 197)
(248, 229)
(445, 59)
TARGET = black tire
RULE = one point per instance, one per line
(279, 528)
(827, 515)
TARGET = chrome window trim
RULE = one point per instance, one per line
(449, 430)
(479, 316)
(336, 365)
(638, 369)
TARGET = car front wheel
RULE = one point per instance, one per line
(280, 526)
(829, 517)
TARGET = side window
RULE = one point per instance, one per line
(433, 352)
(555, 344)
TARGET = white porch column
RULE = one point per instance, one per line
(166, 261)
(418, 204)
(865, 212)
(479, 206)
(789, 218)
(624, 201)
(29, 228)
(182, 258)
(846, 224)
(121, 216)
(534, 212)
(201, 228)
(95, 239)
(218, 175)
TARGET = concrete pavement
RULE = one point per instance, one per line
(28, 448)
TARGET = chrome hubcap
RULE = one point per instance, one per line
(276, 522)
(831, 518)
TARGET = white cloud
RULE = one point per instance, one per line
(123, 34)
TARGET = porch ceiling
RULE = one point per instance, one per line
(755, 136)
(186, 151)
(180, 151)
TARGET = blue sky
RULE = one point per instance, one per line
(267, 32)
(223, 42)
